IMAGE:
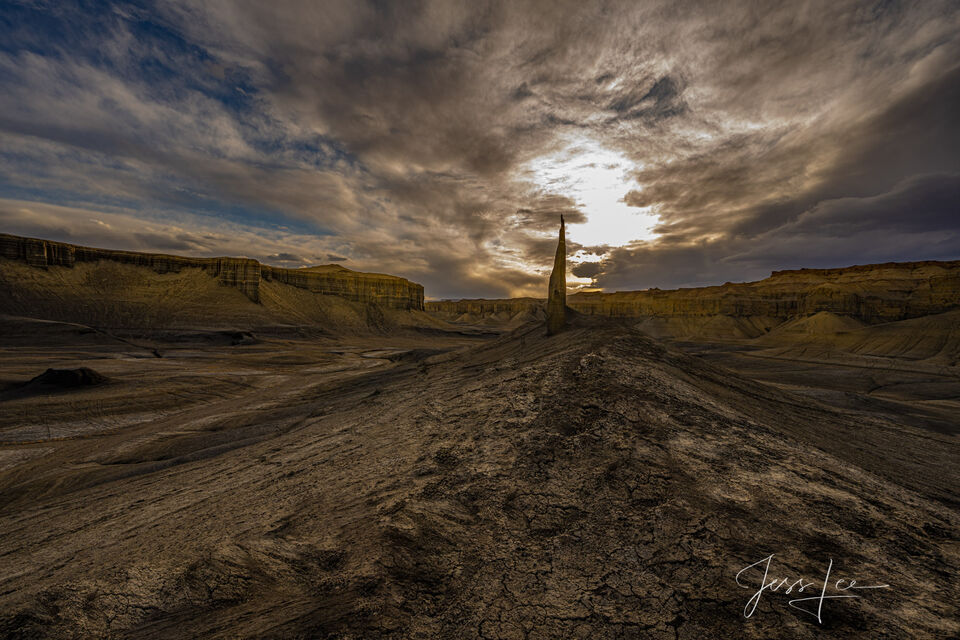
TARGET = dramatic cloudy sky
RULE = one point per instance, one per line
(686, 143)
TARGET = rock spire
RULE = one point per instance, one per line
(557, 295)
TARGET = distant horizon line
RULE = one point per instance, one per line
(571, 291)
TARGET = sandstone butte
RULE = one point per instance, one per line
(244, 274)
(873, 293)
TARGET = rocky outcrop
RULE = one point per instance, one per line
(557, 290)
(244, 274)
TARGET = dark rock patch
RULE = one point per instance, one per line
(68, 378)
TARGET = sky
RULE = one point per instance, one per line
(686, 143)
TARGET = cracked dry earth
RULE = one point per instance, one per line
(597, 484)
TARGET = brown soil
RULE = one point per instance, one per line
(596, 484)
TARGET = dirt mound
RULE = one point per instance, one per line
(823, 323)
(818, 327)
(935, 338)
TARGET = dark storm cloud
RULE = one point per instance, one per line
(586, 269)
(662, 100)
(543, 213)
(922, 211)
(401, 135)
(921, 203)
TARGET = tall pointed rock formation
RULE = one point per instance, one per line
(557, 295)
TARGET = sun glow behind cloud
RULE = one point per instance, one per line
(597, 179)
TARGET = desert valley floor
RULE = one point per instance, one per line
(427, 484)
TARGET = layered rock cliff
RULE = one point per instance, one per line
(240, 273)
(870, 293)
(391, 291)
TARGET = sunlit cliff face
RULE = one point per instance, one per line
(685, 143)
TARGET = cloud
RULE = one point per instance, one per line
(661, 101)
(543, 212)
(400, 136)
(284, 257)
(917, 219)
(586, 269)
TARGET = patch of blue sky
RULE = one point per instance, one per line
(317, 151)
(166, 198)
(129, 41)
(157, 57)
(55, 28)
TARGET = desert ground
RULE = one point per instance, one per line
(215, 448)
(466, 482)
